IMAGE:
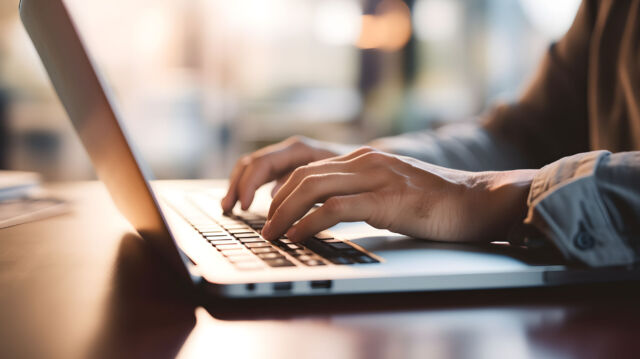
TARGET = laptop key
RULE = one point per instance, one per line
(314, 263)
(271, 255)
(229, 246)
(210, 230)
(320, 248)
(340, 260)
(225, 242)
(300, 252)
(241, 231)
(220, 238)
(263, 250)
(251, 240)
(235, 227)
(216, 235)
(258, 244)
(340, 246)
(365, 259)
(246, 235)
(279, 262)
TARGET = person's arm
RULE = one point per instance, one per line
(466, 146)
(401, 194)
(548, 122)
(589, 206)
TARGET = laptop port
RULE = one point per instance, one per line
(251, 287)
(321, 284)
(282, 286)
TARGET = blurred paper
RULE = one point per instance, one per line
(22, 210)
(16, 184)
(22, 200)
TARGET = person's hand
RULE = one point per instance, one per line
(401, 194)
(274, 162)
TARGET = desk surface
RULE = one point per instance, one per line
(84, 285)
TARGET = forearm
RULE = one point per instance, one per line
(461, 146)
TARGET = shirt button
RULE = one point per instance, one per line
(584, 241)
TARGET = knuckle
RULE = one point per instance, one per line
(294, 139)
(365, 149)
(296, 142)
(310, 182)
(334, 205)
(299, 173)
(374, 157)
(245, 160)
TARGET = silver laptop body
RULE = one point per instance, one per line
(157, 210)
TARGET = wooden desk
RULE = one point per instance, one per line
(83, 285)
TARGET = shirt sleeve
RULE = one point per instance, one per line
(588, 205)
(460, 146)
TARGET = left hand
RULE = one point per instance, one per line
(401, 194)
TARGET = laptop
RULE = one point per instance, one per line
(225, 254)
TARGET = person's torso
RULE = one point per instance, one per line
(614, 77)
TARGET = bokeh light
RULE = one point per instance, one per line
(389, 29)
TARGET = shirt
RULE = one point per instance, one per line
(579, 122)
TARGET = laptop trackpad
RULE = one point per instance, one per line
(404, 252)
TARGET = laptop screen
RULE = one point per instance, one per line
(90, 108)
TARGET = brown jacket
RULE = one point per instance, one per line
(582, 105)
(586, 95)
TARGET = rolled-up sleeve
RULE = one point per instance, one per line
(589, 206)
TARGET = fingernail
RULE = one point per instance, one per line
(291, 233)
(266, 230)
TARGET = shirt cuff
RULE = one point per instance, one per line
(565, 205)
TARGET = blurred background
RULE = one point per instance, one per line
(200, 82)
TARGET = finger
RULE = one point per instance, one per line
(283, 179)
(353, 161)
(300, 174)
(362, 150)
(232, 193)
(279, 183)
(351, 155)
(231, 197)
(350, 208)
(313, 189)
(267, 167)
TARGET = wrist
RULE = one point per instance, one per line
(503, 199)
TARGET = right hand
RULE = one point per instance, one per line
(274, 162)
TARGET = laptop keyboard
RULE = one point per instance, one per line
(237, 237)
